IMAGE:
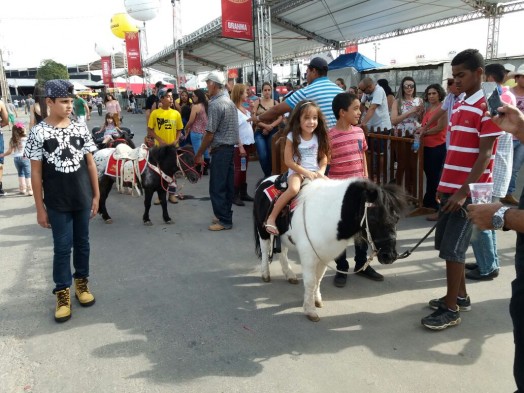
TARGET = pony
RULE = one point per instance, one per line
(162, 165)
(328, 213)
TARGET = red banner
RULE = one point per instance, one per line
(232, 73)
(353, 48)
(107, 76)
(237, 19)
(134, 64)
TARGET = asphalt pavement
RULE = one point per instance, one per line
(182, 309)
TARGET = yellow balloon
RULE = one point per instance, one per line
(120, 24)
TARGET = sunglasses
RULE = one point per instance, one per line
(409, 86)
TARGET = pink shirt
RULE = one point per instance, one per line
(347, 153)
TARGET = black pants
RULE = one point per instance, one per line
(434, 158)
(516, 308)
(361, 256)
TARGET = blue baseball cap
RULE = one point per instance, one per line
(59, 88)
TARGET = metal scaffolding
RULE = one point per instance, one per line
(178, 52)
(494, 14)
(265, 45)
(4, 87)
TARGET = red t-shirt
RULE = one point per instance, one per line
(467, 125)
(347, 153)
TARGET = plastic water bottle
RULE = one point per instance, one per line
(416, 143)
(243, 163)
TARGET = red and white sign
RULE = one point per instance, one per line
(352, 48)
(134, 63)
(232, 73)
(107, 76)
(237, 19)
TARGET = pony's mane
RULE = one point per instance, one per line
(393, 199)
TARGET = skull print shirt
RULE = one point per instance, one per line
(65, 176)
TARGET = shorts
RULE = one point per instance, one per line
(1, 147)
(12, 118)
(453, 232)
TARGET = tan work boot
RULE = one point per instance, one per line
(82, 293)
(509, 200)
(172, 198)
(63, 305)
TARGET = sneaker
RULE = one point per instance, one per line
(463, 304)
(63, 305)
(471, 266)
(510, 200)
(340, 280)
(172, 198)
(475, 275)
(441, 319)
(82, 293)
(370, 273)
(218, 227)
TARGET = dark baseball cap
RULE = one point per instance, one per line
(163, 92)
(318, 63)
(159, 84)
(59, 88)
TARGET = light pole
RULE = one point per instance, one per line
(376, 47)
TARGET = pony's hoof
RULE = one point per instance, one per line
(313, 317)
(319, 304)
(266, 279)
(109, 221)
(293, 281)
(169, 222)
(148, 223)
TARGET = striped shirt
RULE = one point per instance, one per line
(322, 91)
(468, 124)
(347, 153)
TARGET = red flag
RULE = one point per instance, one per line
(134, 64)
(237, 19)
(106, 70)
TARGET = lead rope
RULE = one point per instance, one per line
(368, 235)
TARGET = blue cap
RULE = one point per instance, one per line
(59, 88)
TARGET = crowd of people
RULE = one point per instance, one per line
(324, 125)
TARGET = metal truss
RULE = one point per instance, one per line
(287, 5)
(306, 33)
(265, 44)
(231, 48)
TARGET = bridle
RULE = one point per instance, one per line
(181, 164)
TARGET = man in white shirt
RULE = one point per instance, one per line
(377, 115)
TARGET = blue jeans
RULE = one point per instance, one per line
(263, 145)
(23, 167)
(516, 308)
(518, 160)
(361, 256)
(484, 245)
(196, 141)
(70, 231)
(1, 147)
(221, 184)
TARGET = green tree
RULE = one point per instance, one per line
(50, 69)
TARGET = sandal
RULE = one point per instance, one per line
(271, 229)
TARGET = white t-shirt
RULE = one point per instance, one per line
(381, 116)
(308, 153)
(245, 131)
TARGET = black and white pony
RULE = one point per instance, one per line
(328, 214)
(162, 165)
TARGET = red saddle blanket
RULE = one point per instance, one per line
(123, 168)
(273, 193)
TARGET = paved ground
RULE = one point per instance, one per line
(183, 309)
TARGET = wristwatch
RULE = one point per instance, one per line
(498, 218)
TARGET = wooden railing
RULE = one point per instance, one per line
(390, 158)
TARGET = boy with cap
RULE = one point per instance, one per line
(152, 100)
(164, 126)
(65, 187)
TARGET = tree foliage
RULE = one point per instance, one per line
(50, 69)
